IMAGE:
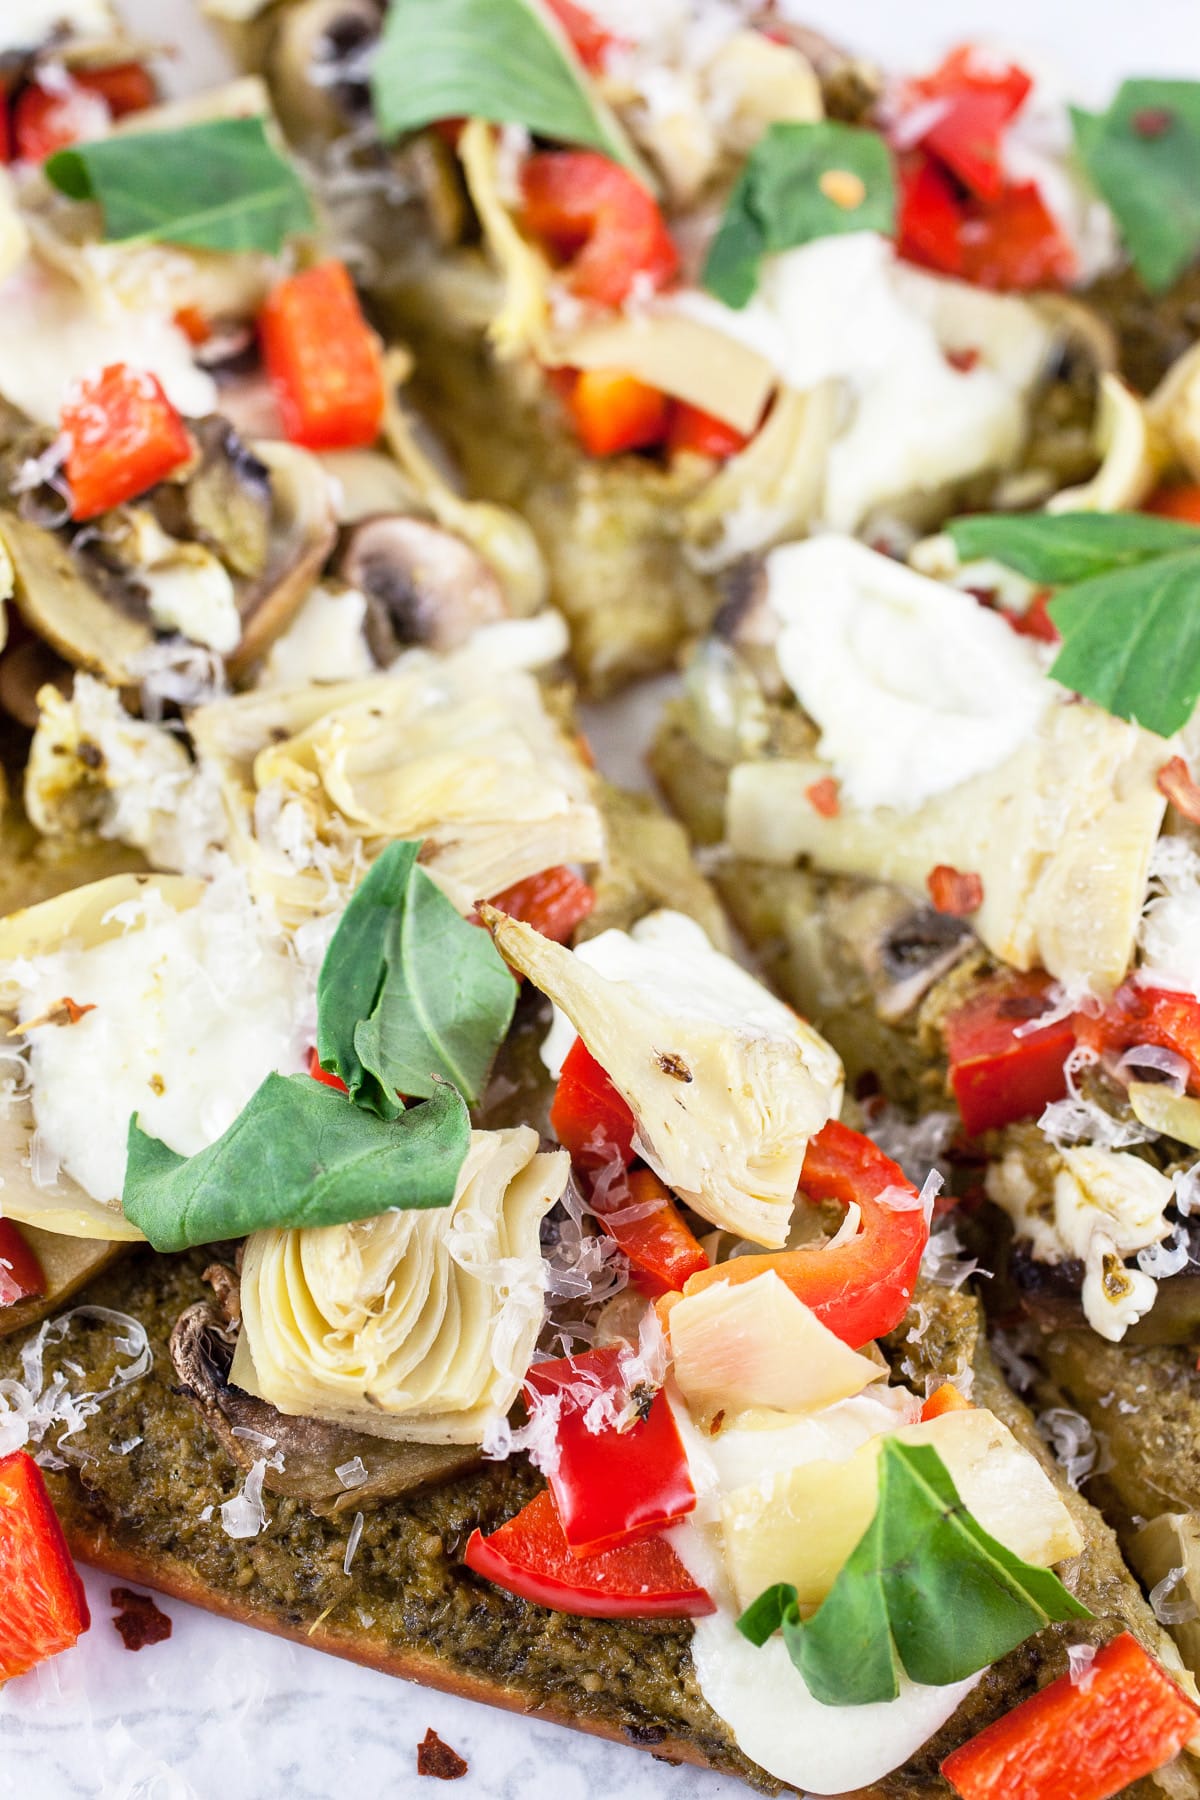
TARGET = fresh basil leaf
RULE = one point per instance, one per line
(297, 1154)
(1057, 548)
(218, 185)
(501, 60)
(1131, 641)
(800, 182)
(925, 1590)
(1143, 155)
(409, 993)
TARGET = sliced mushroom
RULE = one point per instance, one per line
(423, 585)
(315, 66)
(911, 948)
(311, 1450)
(24, 670)
(225, 501)
(94, 609)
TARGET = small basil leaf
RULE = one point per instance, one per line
(501, 60)
(217, 185)
(1131, 641)
(409, 993)
(925, 1590)
(1057, 548)
(297, 1154)
(800, 182)
(1143, 155)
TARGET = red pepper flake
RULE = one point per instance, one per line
(73, 1009)
(438, 1759)
(1035, 621)
(1175, 781)
(956, 891)
(824, 797)
(1153, 121)
(139, 1620)
(962, 360)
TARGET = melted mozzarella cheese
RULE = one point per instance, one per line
(760, 1693)
(669, 959)
(25, 24)
(916, 687)
(54, 336)
(324, 642)
(843, 309)
(192, 1011)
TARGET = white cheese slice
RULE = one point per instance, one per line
(916, 686)
(53, 336)
(844, 309)
(193, 1010)
(760, 1693)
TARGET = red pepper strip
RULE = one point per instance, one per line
(613, 412)
(611, 1485)
(123, 435)
(21, 1274)
(978, 100)
(1178, 500)
(589, 40)
(553, 902)
(954, 891)
(45, 1607)
(1176, 781)
(589, 1117)
(661, 1249)
(702, 434)
(861, 1289)
(1080, 1741)
(530, 1557)
(1146, 1015)
(325, 1076)
(998, 1076)
(1015, 243)
(601, 221)
(323, 360)
(930, 216)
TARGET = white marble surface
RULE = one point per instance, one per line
(222, 1713)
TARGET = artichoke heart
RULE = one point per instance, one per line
(1060, 834)
(453, 750)
(726, 1083)
(417, 1325)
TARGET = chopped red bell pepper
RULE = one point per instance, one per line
(600, 220)
(1178, 500)
(930, 216)
(861, 1289)
(1086, 1739)
(530, 1557)
(977, 97)
(1035, 621)
(638, 1211)
(701, 433)
(617, 1482)
(954, 891)
(944, 1399)
(325, 1076)
(45, 1608)
(323, 360)
(1015, 243)
(21, 1274)
(825, 796)
(128, 87)
(613, 412)
(1000, 1070)
(48, 119)
(1147, 1015)
(123, 435)
(589, 1117)
(554, 902)
(589, 40)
